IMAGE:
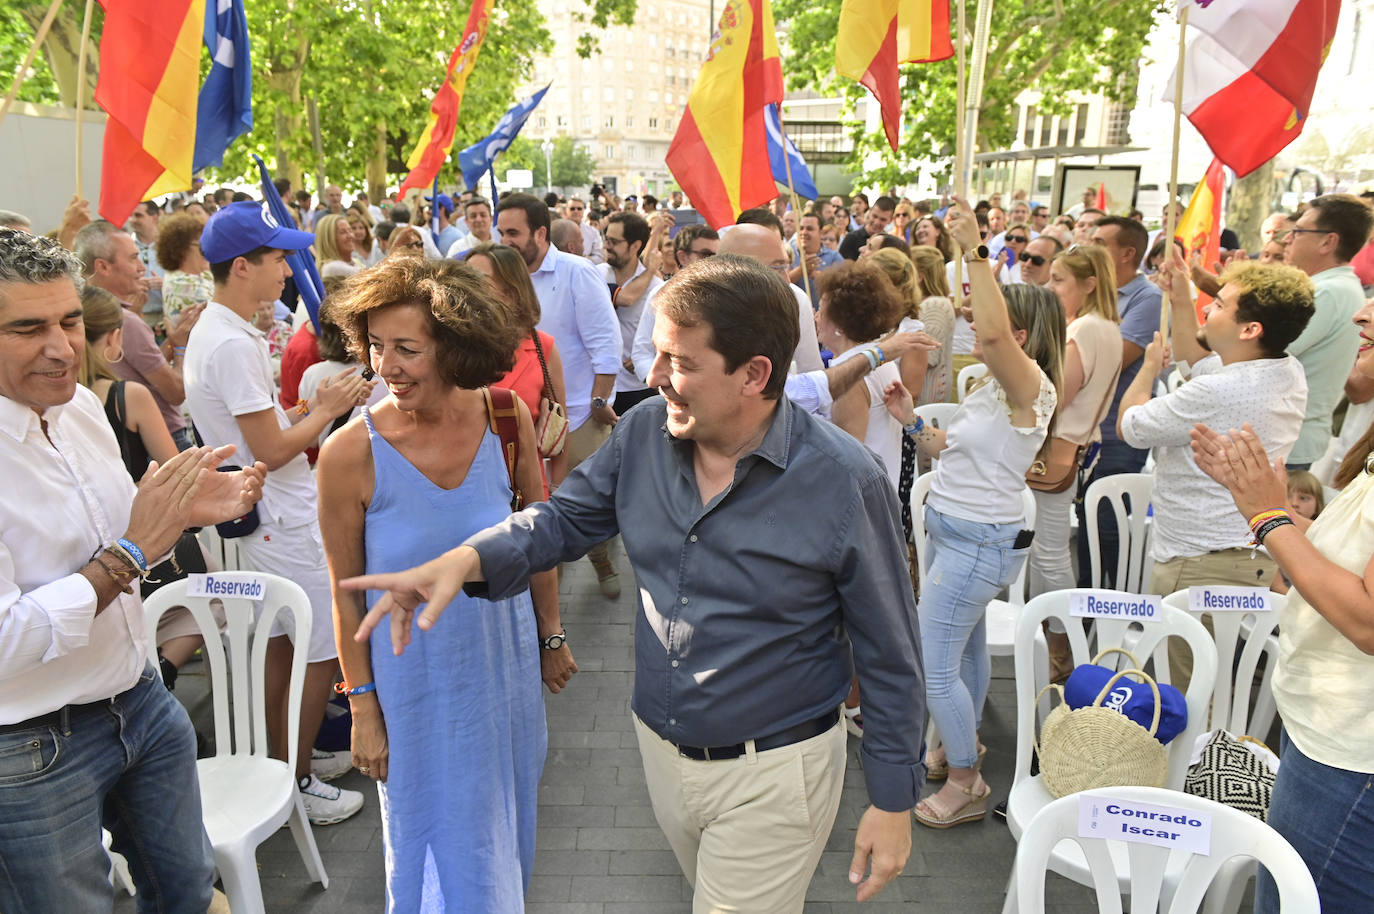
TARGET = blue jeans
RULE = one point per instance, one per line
(970, 563)
(128, 765)
(1116, 457)
(1327, 814)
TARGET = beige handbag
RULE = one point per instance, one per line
(551, 430)
(1093, 746)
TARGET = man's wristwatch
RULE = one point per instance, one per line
(554, 642)
(598, 402)
(975, 255)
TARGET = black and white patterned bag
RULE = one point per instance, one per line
(1230, 773)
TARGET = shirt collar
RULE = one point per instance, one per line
(775, 446)
(16, 419)
(227, 316)
(550, 261)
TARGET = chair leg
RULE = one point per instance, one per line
(305, 843)
(1228, 886)
(238, 872)
(1009, 906)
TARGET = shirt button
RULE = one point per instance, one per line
(672, 721)
(684, 601)
(693, 537)
(674, 664)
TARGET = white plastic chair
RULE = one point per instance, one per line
(1241, 638)
(1160, 879)
(223, 554)
(1133, 527)
(245, 794)
(968, 375)
(937, 414)
(1149, 642)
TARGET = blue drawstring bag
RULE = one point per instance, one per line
(1136, 700)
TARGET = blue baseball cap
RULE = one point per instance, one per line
(444, 200)
(242, 227)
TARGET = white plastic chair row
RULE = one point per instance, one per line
(1133, 562)
(245, 794)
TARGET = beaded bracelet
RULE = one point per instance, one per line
(1269, 526)
(117, 575)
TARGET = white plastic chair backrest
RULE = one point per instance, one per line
(968, 375)
(1241, 638)
(1149, 644)
(222, 553)
(243, 670)
(937, 414)
(920, 488)
(1133, 554)
(1173, 379)
(1234, 834)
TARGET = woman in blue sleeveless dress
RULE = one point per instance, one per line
(453, 731)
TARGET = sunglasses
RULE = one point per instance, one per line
(1017, 239)
(1035, 259)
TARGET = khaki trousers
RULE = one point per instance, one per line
(748, 832)
(1239, 566)
(582, 443)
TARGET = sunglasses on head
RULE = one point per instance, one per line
(1017, 239)
(1035, 259)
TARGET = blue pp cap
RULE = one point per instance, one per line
(444, 200)
(242, 227)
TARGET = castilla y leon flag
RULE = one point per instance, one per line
(429, 155)
(1200, 227)
(719, 154)
(149, 77)
(876, 35)
(1248, 77)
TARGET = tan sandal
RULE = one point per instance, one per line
(972, 811)
(939, 771)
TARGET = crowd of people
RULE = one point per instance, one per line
(493, 387)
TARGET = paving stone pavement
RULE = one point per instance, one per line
(599, 848)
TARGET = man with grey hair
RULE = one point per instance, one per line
(109, 258)
(89, 736)
(566, 235)
(592, 247)
(13, 220)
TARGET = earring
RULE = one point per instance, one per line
(117, 359)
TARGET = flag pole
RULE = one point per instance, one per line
(38, 38)
(792, 194)
(81, 88)
(1173, 166)
(491, 172)
(434, 212)
(958, 184)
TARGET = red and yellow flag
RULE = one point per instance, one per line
(719, 154)
(1200, 227)
(149, 79)
(429, 155)
(876, 35)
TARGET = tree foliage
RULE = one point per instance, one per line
(1056, 46)
(572, 165)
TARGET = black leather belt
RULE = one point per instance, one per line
(61, 718)
(773, 741)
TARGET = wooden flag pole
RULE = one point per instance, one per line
(959, 184)
(1173, 165)
(81, 89)
(792, 194)
(22, 74)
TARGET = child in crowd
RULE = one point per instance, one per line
(1306, 498)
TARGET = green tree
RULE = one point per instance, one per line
(572, 165)
(1056, 46)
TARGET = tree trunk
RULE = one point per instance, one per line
(284, 76)
(62, 48)
(376, 164)
(1251, 198)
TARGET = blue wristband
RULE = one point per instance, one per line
(362, 689)
(915, 428)
(882, 359)
(135, 553)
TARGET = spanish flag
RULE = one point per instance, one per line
(719, 154)
(429, 155)
(1200, 227)
(149, 77)
(876, 35)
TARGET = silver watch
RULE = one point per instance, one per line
(598, 402)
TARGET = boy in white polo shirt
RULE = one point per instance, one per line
(232, 398)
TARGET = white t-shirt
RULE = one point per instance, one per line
(982, 470)
(228, 374)
(1193, 513)
(963, 330)
(629, 315)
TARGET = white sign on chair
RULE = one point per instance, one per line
(1144, 823)
(243, 587)
(1219, 598)
(1113, 604)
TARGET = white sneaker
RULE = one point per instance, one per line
(330, 765)
(326, 804)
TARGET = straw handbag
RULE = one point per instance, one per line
(551, 429)
(1094, 747)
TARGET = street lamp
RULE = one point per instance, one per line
(547, 147)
